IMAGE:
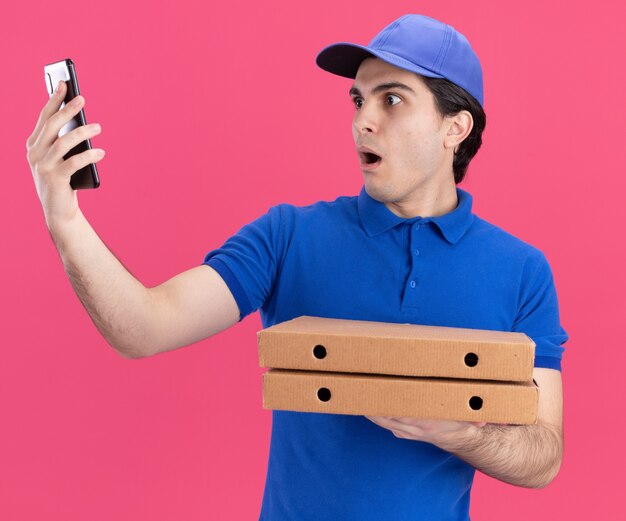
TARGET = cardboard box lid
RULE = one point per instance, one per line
(398, 396)
(356, 346)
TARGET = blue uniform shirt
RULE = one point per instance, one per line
(353, 258)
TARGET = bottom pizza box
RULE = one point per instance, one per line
(428, 398)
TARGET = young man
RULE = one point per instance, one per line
(407, 249)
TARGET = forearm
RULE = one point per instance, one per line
(523, 455)
(118, 304)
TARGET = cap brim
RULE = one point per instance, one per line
(345, 58)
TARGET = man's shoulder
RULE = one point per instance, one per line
(343, 204)
(501, 241)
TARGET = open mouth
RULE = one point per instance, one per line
(369, 159)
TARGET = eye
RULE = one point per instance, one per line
(358, 102)
(392, 99)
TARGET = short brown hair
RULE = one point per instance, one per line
(450, 100)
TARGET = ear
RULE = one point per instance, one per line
(459, 127)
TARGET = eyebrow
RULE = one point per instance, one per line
(382, 87)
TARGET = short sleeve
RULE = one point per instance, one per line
(538, 314)
(247, 261)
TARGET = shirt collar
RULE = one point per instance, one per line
(376, 218)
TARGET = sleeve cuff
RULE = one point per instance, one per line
(548, 362)
(245, 308)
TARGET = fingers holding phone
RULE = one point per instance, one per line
(51, 166)
(58, 147)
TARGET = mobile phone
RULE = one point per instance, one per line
(86, 177)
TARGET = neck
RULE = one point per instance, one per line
(426, 202)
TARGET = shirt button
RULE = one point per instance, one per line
(412, 284)
(417, 252)
(416, 227)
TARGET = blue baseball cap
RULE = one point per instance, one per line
(418, 44)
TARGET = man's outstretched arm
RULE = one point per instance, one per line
(137, 321)
(523, 455)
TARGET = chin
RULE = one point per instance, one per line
(382, 193)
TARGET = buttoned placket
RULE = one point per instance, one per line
(411, 292)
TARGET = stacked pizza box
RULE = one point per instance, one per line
(340, 366)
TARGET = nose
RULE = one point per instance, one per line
(365, 121)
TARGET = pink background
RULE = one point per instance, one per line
(211, 113)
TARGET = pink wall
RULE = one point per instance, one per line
(211, 113)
